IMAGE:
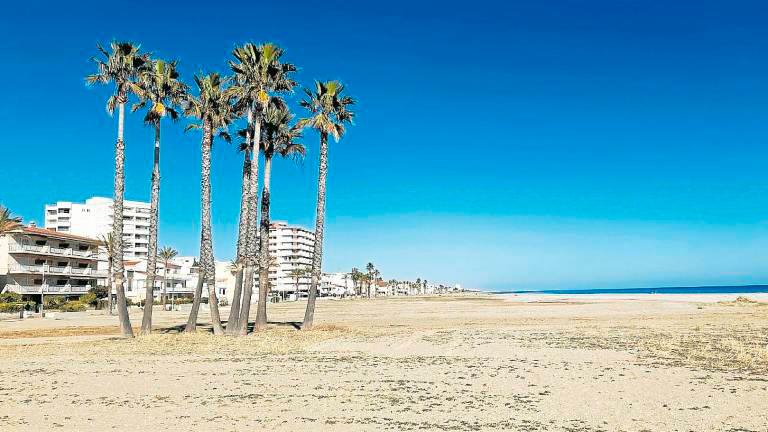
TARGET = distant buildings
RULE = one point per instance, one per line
(35, 261)
(93, 218)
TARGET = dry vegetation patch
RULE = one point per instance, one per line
(270, 341)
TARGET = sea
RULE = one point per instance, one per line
(725, 289)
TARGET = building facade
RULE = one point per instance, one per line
(93, 219)
(36, 262)
(291, 249)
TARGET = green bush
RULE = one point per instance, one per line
(12, 307)
(89, 298)
(73, 306)
(182, 300)
(54, 302)
(100, 291)
(10, 297)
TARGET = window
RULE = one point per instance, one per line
(82, 265)
(39, 262)
(64, 245)
(62, 264)
(40, 242)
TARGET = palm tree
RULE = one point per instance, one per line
(280, 137)
(109, 245)
(258, 71)
(215, 111)
(8, 222)
(329, 111)
(238, 263)
(370, 268)
(296, 274)
(120, 67)
(166, 254)
(160, 91)
(356, 280)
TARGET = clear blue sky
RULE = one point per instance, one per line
(523, 145)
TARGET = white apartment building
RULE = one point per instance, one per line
(93, 219)
(290, 247)
(36, 261)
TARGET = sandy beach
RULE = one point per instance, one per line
(475, 362)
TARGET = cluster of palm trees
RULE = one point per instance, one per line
(253, 94)
(365, 283)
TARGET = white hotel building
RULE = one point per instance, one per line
(290, 247)
(93, 218)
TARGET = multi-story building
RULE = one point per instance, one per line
(93, 219)
(290, 248)
(36, 262)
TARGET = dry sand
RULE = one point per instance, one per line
(440, 363)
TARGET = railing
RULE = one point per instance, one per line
(47, 289)
(50, 250)
(56, 270)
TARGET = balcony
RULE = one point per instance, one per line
(50, 250)
(48, 289)
(56, 270)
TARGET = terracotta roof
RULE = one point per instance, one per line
(57, 234)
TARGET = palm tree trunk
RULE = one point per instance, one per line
(110, 285)
(191, 326)
(234, 311)
(261, 311)
(149, 287)
(165, 277)
(317, 257)
(206, 237)
(117, 223)
(252, 240)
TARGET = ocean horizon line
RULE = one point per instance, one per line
(707, 289)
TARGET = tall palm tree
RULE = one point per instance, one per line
(109, 245)
(213, 107)
(280, 136)
(356, 281)
(329, 109)
(370, 268)
(242, 234)
(258, 71)
(119, 66)
(8, 222)
(160, 91)
(166, 254)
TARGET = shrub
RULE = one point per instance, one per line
(90, 298)
(182, 300)
(100, 291)
(12, 307)
(74, 306)
(10, 297)
(54, 302)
